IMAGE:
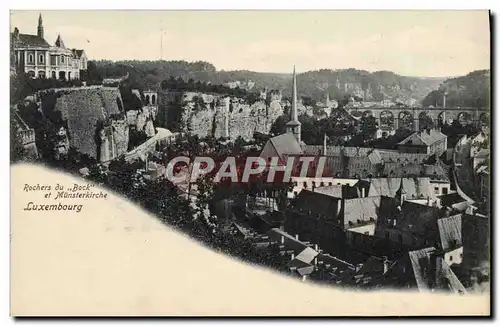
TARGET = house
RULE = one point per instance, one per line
(410, 224)
(34, 56)
(476, 248)
(450, 236)
(453, 201)
(425, 141)
(323, 219)
(416, 188)
(26, 135)
(430, 272)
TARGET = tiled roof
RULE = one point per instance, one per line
(318, 204)
(424, 138)
(276, 234)
(434, 172)
(286, 145)
(418, 219)
(424, 270)
(393, 156)
(451, 199)
(334, 190)
(450, 232)
(360, 210)
(414, 187)
(307, 255)
(31, 40)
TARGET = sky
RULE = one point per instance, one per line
(411, 43)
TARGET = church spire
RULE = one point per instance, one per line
(401, 193)
(40, 26)
(293, 126)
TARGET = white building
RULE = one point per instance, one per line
(34, 56)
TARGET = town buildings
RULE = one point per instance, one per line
(33, 55)
(427, 141)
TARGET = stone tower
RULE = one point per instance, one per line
(293, 126)
(40, 26)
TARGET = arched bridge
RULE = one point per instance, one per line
(417, 118)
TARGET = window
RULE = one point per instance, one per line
(461, 255)
(367, 233)
(445, 191)
(436, 190)
(451, 258)
(305, 184)
(41, 58)
(330, 183)
(321, 184)
(30, 58)
(62, 59)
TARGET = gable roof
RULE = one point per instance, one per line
(414, 187)
(424, 137)
(361, 209)
(418, 219)
(450, 232)
(77, 53)
(30, 40)
(423, 270)
(286, 145)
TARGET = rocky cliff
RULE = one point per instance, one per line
(83, 111)
(216, 115)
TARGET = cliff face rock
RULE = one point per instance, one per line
(83, 111)
(217, 115)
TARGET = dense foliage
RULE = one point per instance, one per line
(472, 90)
(313, 84)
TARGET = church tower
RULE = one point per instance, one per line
(401, 193)
(40, 26)
(293, 126)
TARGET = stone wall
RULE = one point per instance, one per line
(84, 110)
(218, 115)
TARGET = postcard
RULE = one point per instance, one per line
(250, 163)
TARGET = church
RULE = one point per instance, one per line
(33, 55)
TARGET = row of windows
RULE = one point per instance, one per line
(41, 59)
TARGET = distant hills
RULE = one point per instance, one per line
(471, 90)
(361, 84)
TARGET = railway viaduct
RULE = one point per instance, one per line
(413, 117)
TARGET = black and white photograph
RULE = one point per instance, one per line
(250, 163)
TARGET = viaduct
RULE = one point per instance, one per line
(414, 117)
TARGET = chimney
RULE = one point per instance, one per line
(444, 100)
(428, 201)
(363, 192)
(293, 256)
(282, 239)
(296, 237)
(386, 264)
(436, 270)
(316, 247)
(315, 260)
(324, 145)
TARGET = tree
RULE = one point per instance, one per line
(368, 127)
